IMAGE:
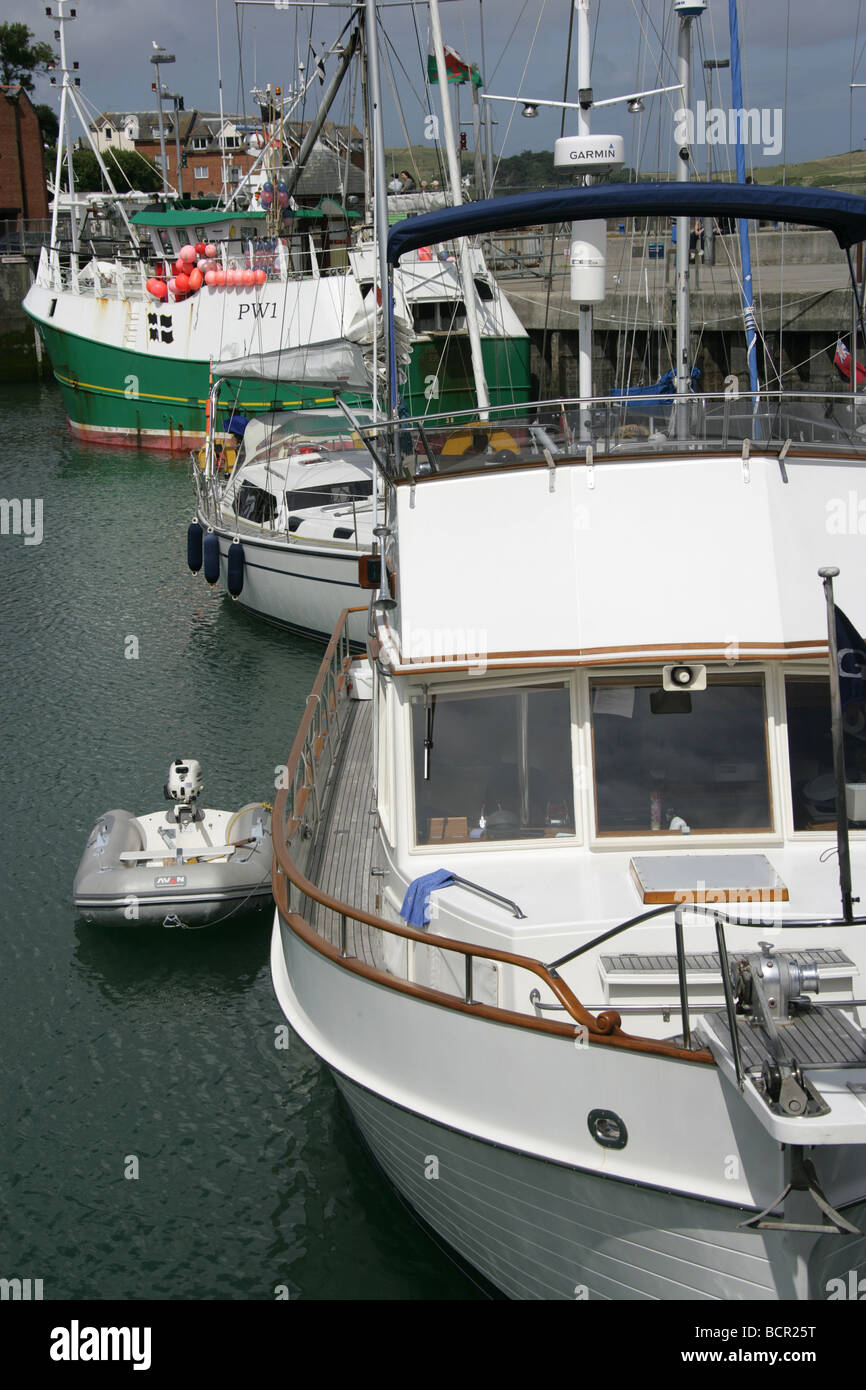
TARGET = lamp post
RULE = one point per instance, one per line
(160, 56)
(177, 100)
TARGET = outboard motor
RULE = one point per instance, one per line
(184, 787)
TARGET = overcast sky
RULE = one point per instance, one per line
(799, 57)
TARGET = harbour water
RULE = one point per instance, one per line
(154, 1052)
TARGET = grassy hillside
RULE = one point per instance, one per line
(534, 169)
(845, 172)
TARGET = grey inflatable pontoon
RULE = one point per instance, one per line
(184, 867)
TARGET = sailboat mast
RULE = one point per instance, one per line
(743, 226)
(380, 194)
(365, 123)
(584, 313)
(687, 10)
(223, 167)
(464, 259)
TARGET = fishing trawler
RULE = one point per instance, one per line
(568, 907)
(131, 332)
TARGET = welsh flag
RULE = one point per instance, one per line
(457, 69)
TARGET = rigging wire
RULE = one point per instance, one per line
(410, 148)
(519, 85)
(94, 113)
(777, 366)
(428, 101)
(854, 61)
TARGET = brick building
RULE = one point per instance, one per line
(205, 141)
(22, 164)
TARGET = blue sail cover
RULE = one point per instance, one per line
(844, 214)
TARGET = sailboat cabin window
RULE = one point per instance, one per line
(687, 762)
(493, 765)
(254, 504)
(329, 494)
(810, 751)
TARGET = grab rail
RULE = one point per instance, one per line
(488, 893)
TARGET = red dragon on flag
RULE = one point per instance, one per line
(456, 68)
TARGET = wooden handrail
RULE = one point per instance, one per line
(606, 1027)
(613, 1038)
(312, 701)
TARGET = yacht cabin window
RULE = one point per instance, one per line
(810, 751)
(255, 504)
(688, 762)
(330, 494)
(493, 765)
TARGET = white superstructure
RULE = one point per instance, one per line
(533, 741)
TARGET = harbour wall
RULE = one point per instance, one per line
(18, 350)
(798, 324)
(803, 302)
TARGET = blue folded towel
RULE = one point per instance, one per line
(416, 904)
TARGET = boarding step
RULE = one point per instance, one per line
(653, 978)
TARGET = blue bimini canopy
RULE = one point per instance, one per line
(842, 213)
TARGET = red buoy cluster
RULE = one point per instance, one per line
(196, 266)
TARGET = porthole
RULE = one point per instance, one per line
(607, 1129)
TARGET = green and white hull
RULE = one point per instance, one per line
(135, 371)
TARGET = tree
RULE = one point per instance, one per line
(49, 125)
(128, 169)
(20, 57)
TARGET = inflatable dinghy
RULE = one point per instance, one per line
(184, 867)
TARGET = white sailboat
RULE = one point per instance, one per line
(559, 906)
(286, 530)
